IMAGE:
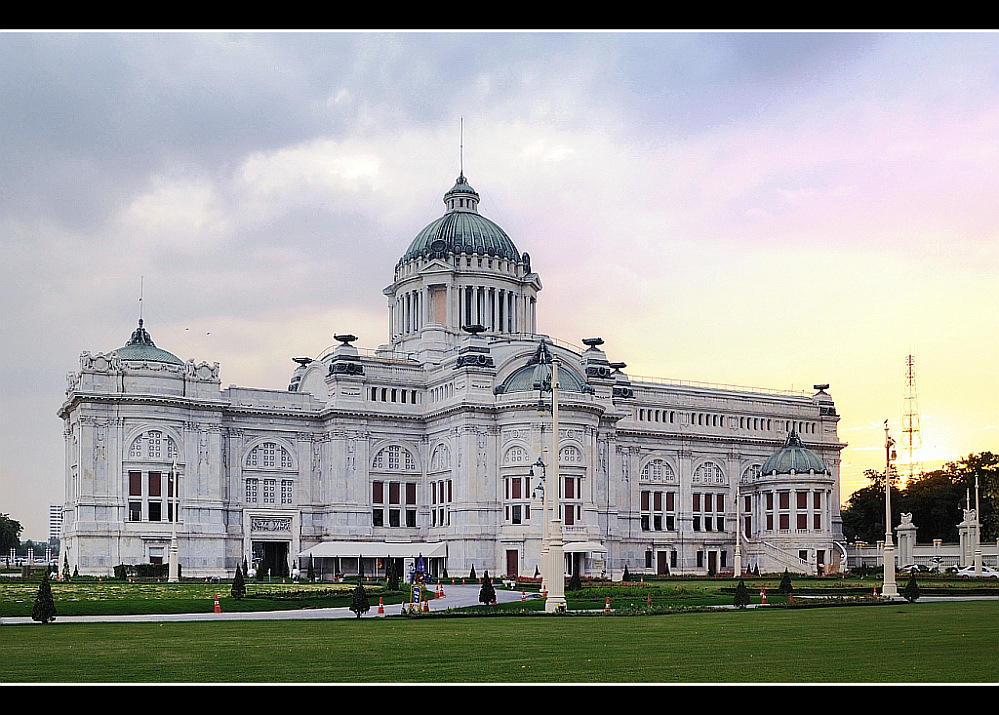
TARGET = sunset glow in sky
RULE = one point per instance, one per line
(757, 209)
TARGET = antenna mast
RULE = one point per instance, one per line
(910, 420)
(461, 146)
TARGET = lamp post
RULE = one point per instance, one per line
(556, 559)
(978, 534)
(738, 534)
(889, 589)
(542, 566)
(174, 574)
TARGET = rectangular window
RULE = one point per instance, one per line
(817, 500)
(657, 521)
(155, 484)
(155, 511)
(251, 491)
(801, 500)
(393, 517)
(697, 523)
(570, 492)
(394, 493)
(645, 522)
(411, 517)
(135, 484)
(720, 502)
(697, 502)
(377, 516)
(377, 492)
(269, 486)
(657, 500)
(770, 500)
(287, 491)
(770, 522)
(721, 523)
(515, 488)
(645, 501)
(802, 521)
(411, 493)
(785, 500)
(515, 517)
(784, 522)
(817, 522)
(135, 511)
(670, 502)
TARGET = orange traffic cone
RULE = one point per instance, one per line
(874, 593)
(763, 595)
(218, 608)
(523, 595)
(648, 600)
(426, 607)
(607, 607)
(381, 606)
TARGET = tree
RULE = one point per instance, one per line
(311, 574)
(65, 567)
(391, 576)
(487, 594)
(785, 587)
(245, 569)
(10, 534)
(574, 583)
(238, 584)
(44, 609)
(911, 590)
(359, 600)
(471, 574)
(741, 595)
(627, 576)
(864, 515)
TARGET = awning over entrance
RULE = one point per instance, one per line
(584, 546)
(375, 550)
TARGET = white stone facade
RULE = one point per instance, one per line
(430, 440)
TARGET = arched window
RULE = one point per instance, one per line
(269, 455)
(152, 445)
(709, 473)
(751, 473)
(657, 470)
(394, 459)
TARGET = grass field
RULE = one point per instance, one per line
(944, 642)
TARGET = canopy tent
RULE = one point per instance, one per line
(375, 550)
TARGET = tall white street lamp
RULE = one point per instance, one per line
(738, 534)
(174, 575)
(540, 488)
(556, 558)
(978, 534)
(889, 589)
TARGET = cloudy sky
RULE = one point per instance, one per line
(758, 209)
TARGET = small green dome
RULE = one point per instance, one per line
(461, 229)
(141, 347)
(794, 457)
(537, 375)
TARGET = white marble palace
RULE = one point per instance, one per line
(430, 444)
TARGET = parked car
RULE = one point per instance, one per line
(918, 568)
(969, 572)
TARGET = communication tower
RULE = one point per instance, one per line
(911, 439)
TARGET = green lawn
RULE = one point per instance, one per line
(908, 643)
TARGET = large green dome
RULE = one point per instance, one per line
(461, 230)
(141, 347)
(794, 457)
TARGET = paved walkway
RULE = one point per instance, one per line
(454, 597)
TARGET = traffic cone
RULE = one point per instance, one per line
(874, 593)
(648, 600)
(607, 606)
(426, 607)
(523, 595)
(763, 595)
(381, 606)
(218, 608)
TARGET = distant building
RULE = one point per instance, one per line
(55, 522)
(428, 446)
